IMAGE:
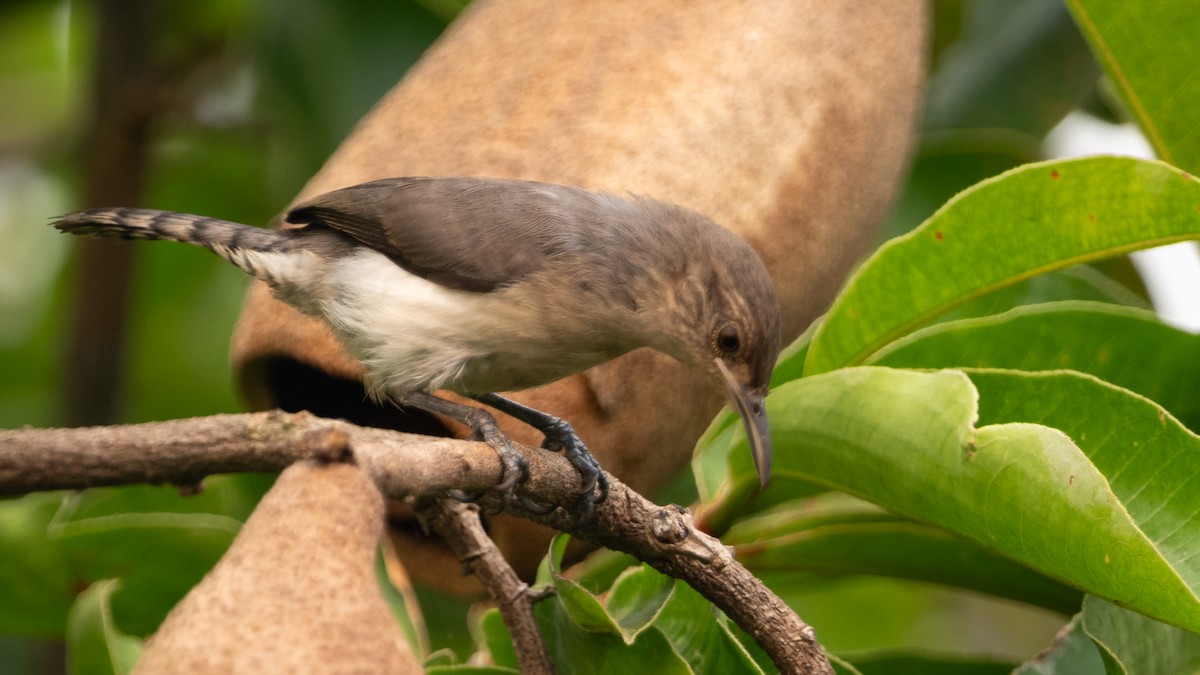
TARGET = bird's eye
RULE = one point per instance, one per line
(728, 340)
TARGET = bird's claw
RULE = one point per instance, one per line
(593, 483)
(514, 468)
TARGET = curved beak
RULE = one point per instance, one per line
(750, 406)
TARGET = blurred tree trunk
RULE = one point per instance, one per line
(123, 102)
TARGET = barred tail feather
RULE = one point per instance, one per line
(241, 245)
(184, 227)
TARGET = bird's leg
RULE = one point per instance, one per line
(514, 467)
(558, 436)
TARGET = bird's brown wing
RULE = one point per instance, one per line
(473, 234)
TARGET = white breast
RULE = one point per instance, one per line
(413, 334)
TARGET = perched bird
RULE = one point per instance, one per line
(479, 286)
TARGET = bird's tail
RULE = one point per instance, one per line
(234, 242)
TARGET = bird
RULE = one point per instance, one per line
(482, 286)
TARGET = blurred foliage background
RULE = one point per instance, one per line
(233, 104)
(237, 103)
(245, 99)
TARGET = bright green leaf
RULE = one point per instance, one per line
(1025, 222)
(852, 537)
(583, 608)
(909, 442)
(1151, 464)
(1146, 50)
(94, 645)
(789, 366)
(1081, 282)
(1128, 347)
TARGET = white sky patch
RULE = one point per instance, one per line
(1171, 273)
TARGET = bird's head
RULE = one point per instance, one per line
(726, 319)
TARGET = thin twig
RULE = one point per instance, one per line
(458, 524)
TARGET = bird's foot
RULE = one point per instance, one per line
(514, 468)
(559, 435)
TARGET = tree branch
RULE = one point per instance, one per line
(409, 467)
(459, 525)
(185, 451)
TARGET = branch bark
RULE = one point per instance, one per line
(459, 525)
(410, 467)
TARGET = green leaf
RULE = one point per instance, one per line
(582, 637)
(637, 597)
(1128, 347)
(1073, 653)
(600, 569)
(909, 442)
(36, 581)
(494, 636)
(94, 645)
(1136, 645)
(576, 650)
(1144, 48)
(851, 537)
(583, 608)
(448, 619)
(1081, 282)
(1021, 65)
(405, 609)
(1016, 70)
(1078, 282)
(701, 635)
(1151, 464)
(551, 565)
(1033, 219)
(710, 462)
(159, 555)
